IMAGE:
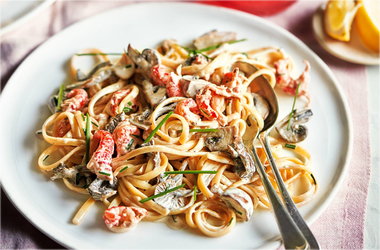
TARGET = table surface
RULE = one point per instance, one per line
(372, 222)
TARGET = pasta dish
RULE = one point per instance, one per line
(158, 134)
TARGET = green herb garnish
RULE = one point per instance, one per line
(88, 137)
(124, 168)
(292, 146)
(103, 173)
(195, 192)
(203, 130)
(45, 157)
(127, 109)
(60, 97)
(162, 193)
(129, 103)
(191, 172)
(99, 54)
(93, 123)
(149, 138)
(294, 103)
(128, 66)
(129, 144)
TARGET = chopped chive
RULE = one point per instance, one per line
(229, 223)
(162, 193)
(129, 144)
(93, 123)
(129, 103)
(195, 192)
(312, 176)
(149, 138)
(88, 137)
(191, 172)
(99, 54)
(203, 130)
(127, 109)
(103, 173)
(244, 53)
(292, 146)
(136, 136)
(240, 213)
(124, 168)
(60, 97)
(128, 66)
(45, 157)
(294, 103)
(84, 119)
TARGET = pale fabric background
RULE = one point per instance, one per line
(342, 226)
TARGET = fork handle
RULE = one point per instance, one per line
(292, 209)
(291, 235)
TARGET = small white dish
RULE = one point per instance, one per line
(353, 51)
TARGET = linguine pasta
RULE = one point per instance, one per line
(117, 131)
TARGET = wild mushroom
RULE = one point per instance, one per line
(144, 61)
(239, 201)
(97, 75)
(227, 139)
(213, 37)
(77, 175)
(191, 85)
(124, 68)
(102, 189)
(140, 119)
(173, 200)
(112, 124)
(294, 131)
(153, 94)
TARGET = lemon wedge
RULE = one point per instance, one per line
(338, 18)
(367, 22)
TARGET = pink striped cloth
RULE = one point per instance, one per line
(341, 226)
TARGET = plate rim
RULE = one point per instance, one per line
(17, 201)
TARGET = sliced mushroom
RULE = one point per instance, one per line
(112, 124)
(239, 201)
(124, 68)
(83, 77)
(294, 130)
(191, 86)
(244, 164)
(98, 77)
(227, 139)
(153, 94)
(173, 200)
(219, 140)
(77, 175)
(261, 105)
(102, 189)
(144, 61)
(140, 119)
(213, 37)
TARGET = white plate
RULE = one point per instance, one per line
(353, 51)
(23, 106)
(15, 12)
